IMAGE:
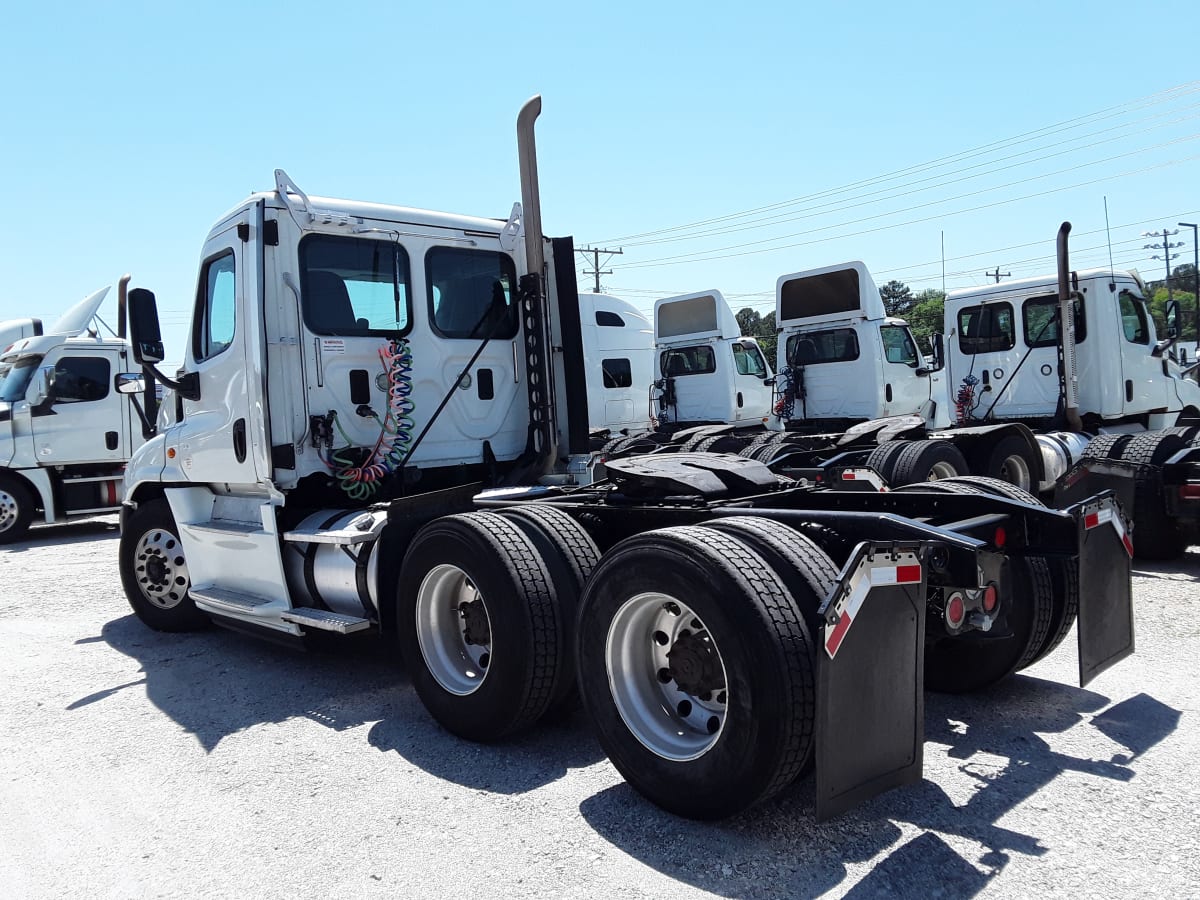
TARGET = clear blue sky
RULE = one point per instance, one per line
(129, 128)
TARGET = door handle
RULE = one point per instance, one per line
(239, 440)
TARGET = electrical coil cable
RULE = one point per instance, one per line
(785, 388)
(964, 402)
(360, 481)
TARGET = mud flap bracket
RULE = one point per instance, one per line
(870, 677)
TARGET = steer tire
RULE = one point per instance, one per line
(927, 461)
(734, 746)
(154, 570)
(16, 509)
(451, 564)
(570, 555)
(1156, 536)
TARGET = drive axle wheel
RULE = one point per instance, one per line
(154, 571)
(16, 509)
(696, 671)
(480, 626)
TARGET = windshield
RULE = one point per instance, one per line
(15, 377)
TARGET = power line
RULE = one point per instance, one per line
(1164, 96)
(596, 251)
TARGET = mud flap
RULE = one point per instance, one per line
(1105, 587)
(870, 678)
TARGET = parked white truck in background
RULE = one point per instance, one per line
(65, 430)
(378, 405)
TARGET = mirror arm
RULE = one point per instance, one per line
(188, 385)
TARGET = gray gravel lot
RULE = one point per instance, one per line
(214, 765)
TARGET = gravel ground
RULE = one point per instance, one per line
(213, 765)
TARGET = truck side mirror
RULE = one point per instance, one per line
(1172, 317)
(130, 383)
(144, 331)
(938, 345)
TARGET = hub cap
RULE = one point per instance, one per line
(453, 630)
(666, 676)
(8, 510)
(942, 470)
(161, 569)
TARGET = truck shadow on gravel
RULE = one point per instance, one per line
(778, 849)
(216, 683)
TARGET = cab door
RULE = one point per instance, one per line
(214, 435)
(83, 420)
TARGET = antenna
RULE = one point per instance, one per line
(1112, 274)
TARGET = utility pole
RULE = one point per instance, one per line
(998, 274)
(1196, 275)
(1166, 247)
(596, 251)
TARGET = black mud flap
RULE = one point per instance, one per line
(1105, 586)
(871, 678)
(1090, 477)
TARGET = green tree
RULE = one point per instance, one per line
(1187, 314)
(759, 327)
(897, 298)
(925, 316)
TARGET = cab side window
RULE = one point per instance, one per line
(749, 360)
(1133, 319)
(81, 379)
(898, 346)
(213, 328)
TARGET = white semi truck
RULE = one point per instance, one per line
(66, 430)
(377, 409)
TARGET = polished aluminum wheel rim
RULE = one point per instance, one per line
(451, 618)
(1015, 470)
(942, 470)
(675, 722)
(161, 569)
(8, 511)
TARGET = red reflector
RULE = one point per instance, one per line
(847, 476)
(955, 611)
(1091, 520)
(1000, 537)
(989, 598)
(908, 574)
(1189, 492)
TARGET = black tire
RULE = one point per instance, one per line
(1106, 446)
(927, 461)
(760, 440)
(570, 555)
(804, 568)
(453, 563)
(154, 570)
(976, 660)
(1156, 536)
(744, 651)
(1010, 460)
(1064, 575)
(883, 458)
(16, 509)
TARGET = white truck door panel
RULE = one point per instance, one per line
(84, 419)
(213, 439)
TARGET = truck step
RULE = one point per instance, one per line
(345, 537)
(221, 600)
(225, 526)
(325, 620)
